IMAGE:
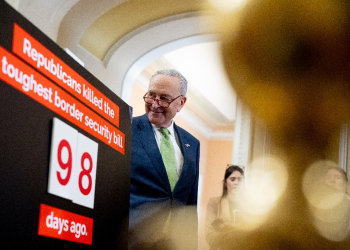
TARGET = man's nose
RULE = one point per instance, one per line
(155, 103)
(331, 179)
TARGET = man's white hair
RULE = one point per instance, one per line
(175, 73)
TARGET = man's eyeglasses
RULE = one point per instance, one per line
(165, 103)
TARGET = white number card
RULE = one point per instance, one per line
(73, 163)
(85, 172)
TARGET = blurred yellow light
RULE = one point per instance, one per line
(317, 193)
(329, 207)
(263, 188)
(228, 5)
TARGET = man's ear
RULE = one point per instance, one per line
(182, 103)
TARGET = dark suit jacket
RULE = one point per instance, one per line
(150, 191)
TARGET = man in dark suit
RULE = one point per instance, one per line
(155, 190)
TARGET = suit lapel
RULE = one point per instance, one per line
(146, 136)
(187, 169)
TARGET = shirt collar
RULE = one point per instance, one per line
(170, 128)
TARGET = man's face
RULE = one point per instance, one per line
(164, 86)
(335, 179)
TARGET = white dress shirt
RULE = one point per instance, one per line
(179, 159)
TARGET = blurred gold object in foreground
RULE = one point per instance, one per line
(152, 234)
(289, 62)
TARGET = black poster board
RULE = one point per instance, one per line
(26, 128)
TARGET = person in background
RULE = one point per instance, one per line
(164, 168)
(336, 178)
(224, 211)
(333, 213)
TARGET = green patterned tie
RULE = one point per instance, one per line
(168, 154)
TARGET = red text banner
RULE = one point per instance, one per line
(27, 80)
(64, 225)
(33, 52)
